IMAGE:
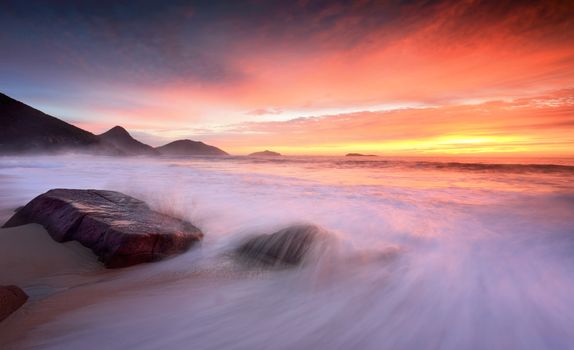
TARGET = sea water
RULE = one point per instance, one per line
(423, 254)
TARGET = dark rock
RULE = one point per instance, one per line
(359, 155)
(122, 140)
(285, 247)
(189, 148)
(28, 130)
(11, 299)
(119, 229)
(265, 153)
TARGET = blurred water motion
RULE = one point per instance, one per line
(425, 254)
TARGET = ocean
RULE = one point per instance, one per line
(423, 253)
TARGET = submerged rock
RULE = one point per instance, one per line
(11, 299)
(119, 229)
(285, 247)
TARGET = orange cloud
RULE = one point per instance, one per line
(529, 126)
(261, 66)
(452, 53)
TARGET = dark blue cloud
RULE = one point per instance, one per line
(155, 42)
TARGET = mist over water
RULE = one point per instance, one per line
(422, 254)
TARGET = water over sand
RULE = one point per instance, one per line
(484, 257)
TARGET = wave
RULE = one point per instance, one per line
(493, 165)
(435, 254)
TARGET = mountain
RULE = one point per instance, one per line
(26, 129)
(122, 140)
(189, 148)
(265, 153)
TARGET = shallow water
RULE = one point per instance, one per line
(483, 256)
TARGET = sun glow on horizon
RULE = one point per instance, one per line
(419, 78)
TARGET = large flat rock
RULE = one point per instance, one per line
(11, 299)
(119, 229)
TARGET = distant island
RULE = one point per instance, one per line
(25, 129)
(190, 148)
(359, 155)
(265, 153)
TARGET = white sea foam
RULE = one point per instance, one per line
(423, 255)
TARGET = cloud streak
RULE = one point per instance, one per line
(541, 125)
(206, 65)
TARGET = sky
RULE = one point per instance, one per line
(397, 78)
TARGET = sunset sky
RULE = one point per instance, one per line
(303, 77)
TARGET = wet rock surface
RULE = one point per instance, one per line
(119, 229)
(287, 247)
(11, 299)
